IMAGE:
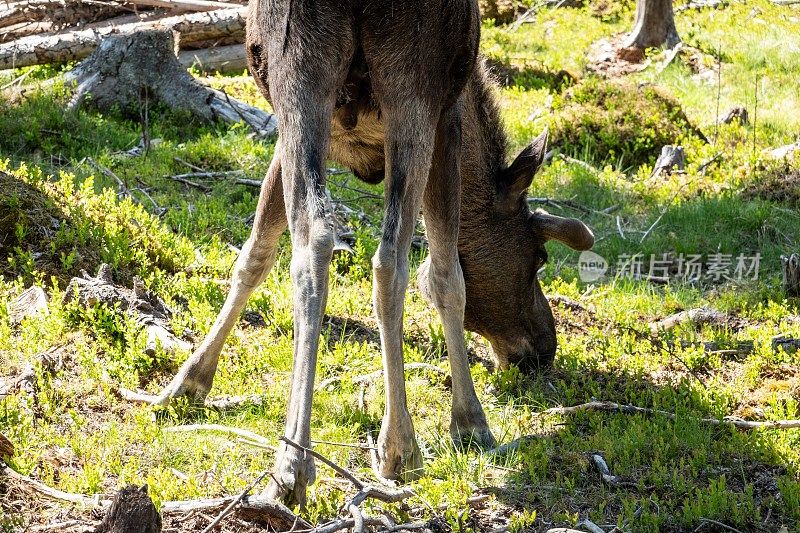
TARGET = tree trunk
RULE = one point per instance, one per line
(75, 45)
(655, 25)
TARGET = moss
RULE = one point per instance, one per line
(618, 122)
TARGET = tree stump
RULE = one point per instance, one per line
(735, 113)
(132, 511)
(128, 71)
(791, 274)
(654, 26)
(671, 157)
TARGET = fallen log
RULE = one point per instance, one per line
(78, 44)
(188, 5)
(126, 67)
(222, 59)
(62, 13)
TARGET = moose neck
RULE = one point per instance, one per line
(483, 150)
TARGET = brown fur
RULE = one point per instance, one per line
(500, 246)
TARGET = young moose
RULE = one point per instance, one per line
(394, 91)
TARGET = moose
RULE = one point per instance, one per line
(396, 92)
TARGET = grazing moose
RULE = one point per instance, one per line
(393, 90)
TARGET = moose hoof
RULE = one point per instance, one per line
(291, 477)
(180, 386)
(398, 453)
(471, 430)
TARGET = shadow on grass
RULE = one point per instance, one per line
(670, 475)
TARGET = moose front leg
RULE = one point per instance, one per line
(446, 280)
(195, 377)
(409, 147)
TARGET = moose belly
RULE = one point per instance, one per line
(357, 142)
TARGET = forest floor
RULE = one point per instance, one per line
(60, 214)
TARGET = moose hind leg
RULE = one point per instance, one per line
(446, 280)
(306, 69)
(195, 377)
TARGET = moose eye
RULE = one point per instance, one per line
(543, 257)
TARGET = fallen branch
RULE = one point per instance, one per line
(255, 509)
(699, 316)
(244, 433)
(227, 510)
(190, 183)
(49, 492)
(633, 409)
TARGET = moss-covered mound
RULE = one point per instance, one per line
(778, 182)
(52, 228)
(612, 121)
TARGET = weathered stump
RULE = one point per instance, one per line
(147, 309)
(654, 26)
(735, 113)
(671, 157)
(127, 71)
(791, 274)
(132, 511)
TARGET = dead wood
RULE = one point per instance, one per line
(185, 5)
(124, 67)
(228, 508)
(131, 511)
(671, 157)
(791, 274)
(49, 361)
(787, 344)
(223, 59)
(258, 509)
(654, 26)
(735, 113)
(245, 434)
(59, 13)
(32, 302)
(78, 44)
(149, 311)
(31, 485)
(698, 317)
(633, 409)
(6, 448)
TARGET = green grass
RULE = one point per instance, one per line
(77, 435)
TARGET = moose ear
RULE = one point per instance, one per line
(570, 231)
(519, 175)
